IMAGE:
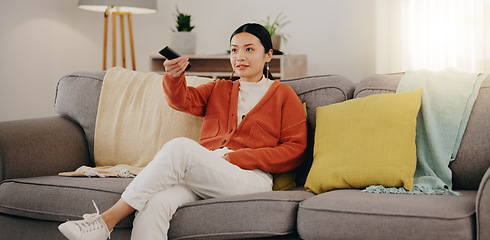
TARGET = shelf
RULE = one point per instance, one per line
(281, 66)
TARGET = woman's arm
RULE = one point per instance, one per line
(286, 156)
(176, 67)
(185, 98)
(179, 96)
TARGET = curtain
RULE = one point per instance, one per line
(433, 35)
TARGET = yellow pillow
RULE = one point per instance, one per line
(284, 181)
(365, 141)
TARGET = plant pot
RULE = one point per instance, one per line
(276, 42)
(183, 43)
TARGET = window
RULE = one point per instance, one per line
(432, 34)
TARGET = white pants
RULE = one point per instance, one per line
(183, 171)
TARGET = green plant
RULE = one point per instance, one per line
(275, 27)
(183, 22)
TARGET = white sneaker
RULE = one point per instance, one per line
(92, 227)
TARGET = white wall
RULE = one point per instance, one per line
(41, 41)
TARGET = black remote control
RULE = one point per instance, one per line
(171, 54)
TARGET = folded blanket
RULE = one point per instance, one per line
(447, 101)
(121, 171)
(134, 121)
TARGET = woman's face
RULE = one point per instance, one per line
(247, 57)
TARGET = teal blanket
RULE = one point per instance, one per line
(447, 102)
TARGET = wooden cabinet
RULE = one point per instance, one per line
(281, 66)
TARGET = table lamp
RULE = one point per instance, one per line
(119, 8)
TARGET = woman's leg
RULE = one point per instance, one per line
(157, 176)
(165, 170)
(149, 181)
(116, 213)
(179, 173)
(152, 222)
(184, 161)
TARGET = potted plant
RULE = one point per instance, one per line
(183, 40)
(274, 27)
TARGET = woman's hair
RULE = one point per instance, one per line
(262, 34)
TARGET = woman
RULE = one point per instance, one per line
(252, 128)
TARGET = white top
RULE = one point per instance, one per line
(249, 95)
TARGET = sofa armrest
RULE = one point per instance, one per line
(483, 208)
(40, 147)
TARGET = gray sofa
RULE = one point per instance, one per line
(34, 200)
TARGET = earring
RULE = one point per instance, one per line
(267, 70)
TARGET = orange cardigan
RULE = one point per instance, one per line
(271, 137)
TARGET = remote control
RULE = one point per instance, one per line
(171, 54)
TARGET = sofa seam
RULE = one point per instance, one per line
(57, 186)
(331, 87)
(387, 215)
(477, 217)
(477, 207)
(35, 212)
(307, 77)
(240, 201)
(370, 89)
(316, 76)
(386, 89)
(231, 233)
(84, 76)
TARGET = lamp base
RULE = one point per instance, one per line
(123, 47)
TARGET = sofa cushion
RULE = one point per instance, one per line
(316, 91)
(472, 159)
(77, 98)
(59, 199)
(352, 214)
(265, 214)
(56, 198)
(382, 127)
(15, 228)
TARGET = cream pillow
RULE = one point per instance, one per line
(365, 141)
(134, 119)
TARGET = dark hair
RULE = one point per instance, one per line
(261, 33)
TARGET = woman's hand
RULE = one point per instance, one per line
(176, 67)
(226, 157)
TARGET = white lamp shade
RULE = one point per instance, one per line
(133, 6)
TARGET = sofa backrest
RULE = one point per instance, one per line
(77, 98)
(473, 158)
(78, 93)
